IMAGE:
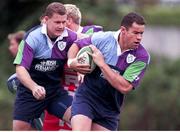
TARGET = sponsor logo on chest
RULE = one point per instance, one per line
(45, 66)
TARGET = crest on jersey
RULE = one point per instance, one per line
(130, 58)
(61, 45)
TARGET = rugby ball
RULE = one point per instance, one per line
(84, 58)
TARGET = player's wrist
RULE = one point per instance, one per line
(70, 61)
(102, 65)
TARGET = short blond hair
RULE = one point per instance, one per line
(74, 13)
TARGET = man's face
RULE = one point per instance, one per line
(133, 35)
(55, 25)
(13, 46)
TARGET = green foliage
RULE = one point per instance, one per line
(162, 15)
(6, 98)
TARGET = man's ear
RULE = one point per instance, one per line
(45, 18)
(68, 22)
(123, 29)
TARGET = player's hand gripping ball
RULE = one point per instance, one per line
(84, 58)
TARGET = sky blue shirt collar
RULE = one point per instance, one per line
(116, 36)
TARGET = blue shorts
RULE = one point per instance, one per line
(89, 106)
(27, 108)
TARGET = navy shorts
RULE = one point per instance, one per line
(27, 108)
(92, 108)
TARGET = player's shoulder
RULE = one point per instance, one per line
(104, 35)
(34, 31)
(143, 53)
(90, 29)
(93, 27)
(71, 34)
(142, 50)
(102, 38)
(34, 36)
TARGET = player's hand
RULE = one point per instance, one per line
(81, 68)
(39, 92)
(80, 77)
(97, 56)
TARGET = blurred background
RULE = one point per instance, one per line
(152, 106)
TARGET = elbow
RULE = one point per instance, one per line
(126, 89)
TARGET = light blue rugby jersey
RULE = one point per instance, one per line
(131, 64)
(38, 45)
(43, 59)
(107, 43)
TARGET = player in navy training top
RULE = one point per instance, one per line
(121, 63)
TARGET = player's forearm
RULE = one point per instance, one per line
(25, 78)
(73, 50)
(115, 79)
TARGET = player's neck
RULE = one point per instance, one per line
(122, 42)
(75, 27)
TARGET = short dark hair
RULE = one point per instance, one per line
(132, 17)
(18, 36)
(55, 7)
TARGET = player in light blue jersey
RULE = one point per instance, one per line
(121, 63)
(71, 79)
(39, 67)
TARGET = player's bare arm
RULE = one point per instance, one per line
(73, 61)
(24, 77)
(116, 80)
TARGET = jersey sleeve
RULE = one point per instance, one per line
(93, 33)
(135, 71)
(83, 42)
(25, 52)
